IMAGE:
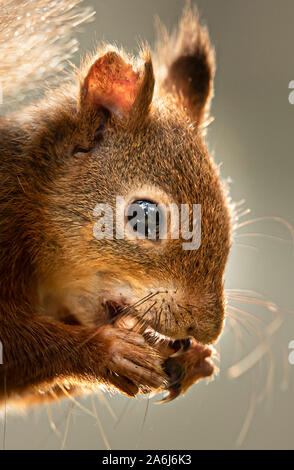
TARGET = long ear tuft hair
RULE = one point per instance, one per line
(185, 64)
(142, 104)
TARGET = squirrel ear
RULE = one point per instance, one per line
(110, 83)
(185, 61)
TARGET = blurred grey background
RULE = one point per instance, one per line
(253, 138)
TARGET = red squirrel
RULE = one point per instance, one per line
(128, 315)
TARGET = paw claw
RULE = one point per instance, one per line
(174, 371)
(173, 393)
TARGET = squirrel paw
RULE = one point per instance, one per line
(133, 365)
(186, 366)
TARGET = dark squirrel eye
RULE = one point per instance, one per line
(144, 217)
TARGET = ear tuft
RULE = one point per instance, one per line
(185, 64)
(144, 96)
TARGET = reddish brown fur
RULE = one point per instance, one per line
(54, 169)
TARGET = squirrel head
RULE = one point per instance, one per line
(132, 132)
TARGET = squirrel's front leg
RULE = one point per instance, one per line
(40, 353)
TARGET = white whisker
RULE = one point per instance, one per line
(255, 356)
